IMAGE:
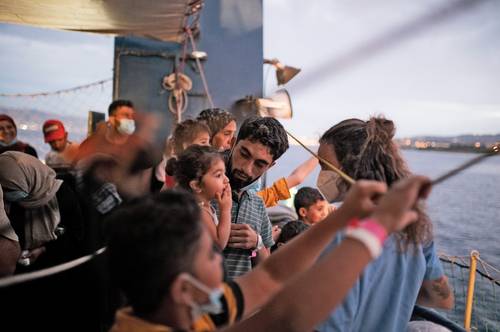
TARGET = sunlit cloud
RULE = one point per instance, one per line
(443, 80)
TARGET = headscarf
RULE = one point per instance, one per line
(20, 171)
(216, 119)
(6, 229)
(5, 117)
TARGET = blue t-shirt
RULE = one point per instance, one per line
(382, 299)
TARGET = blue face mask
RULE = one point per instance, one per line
(214, 306)
(14, 141)
(15, 196)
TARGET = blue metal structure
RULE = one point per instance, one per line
(230, 33)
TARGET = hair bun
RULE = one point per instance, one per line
(381, 126)
(172, 165)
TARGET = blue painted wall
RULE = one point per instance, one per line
(231, 35)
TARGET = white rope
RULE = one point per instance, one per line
(13, 280)
(200, 68)
(39, 94)
(465, 260)
(178, 84)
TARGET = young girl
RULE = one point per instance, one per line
(189, 132)
(185, 134)
(201, 170)
(179, 293)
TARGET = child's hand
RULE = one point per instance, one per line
(224, 199)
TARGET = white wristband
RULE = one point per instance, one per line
(371, 242)
(260, 243)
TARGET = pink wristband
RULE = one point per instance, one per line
(354, 222)
(369, 232)
(370, 225)
(375, 228)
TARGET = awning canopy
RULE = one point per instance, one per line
(157, 19)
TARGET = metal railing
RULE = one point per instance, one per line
(476, 302)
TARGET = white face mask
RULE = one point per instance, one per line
(214, 306)
(126, 126)
(327, 185)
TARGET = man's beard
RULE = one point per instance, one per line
(239, 180)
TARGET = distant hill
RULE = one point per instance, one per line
(462, 139)
(462, 143)
(29, 126)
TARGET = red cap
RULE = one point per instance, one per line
(53, 130)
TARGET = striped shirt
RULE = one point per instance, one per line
(249, 210)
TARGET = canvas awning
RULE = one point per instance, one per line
(158, 19)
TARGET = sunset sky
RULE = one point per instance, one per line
(443, 80)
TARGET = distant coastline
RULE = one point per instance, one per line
(29, 122)
(463, 143)
(462, 149)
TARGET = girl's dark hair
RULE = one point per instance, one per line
(192, 164)
(185, 132)
(291, 230)
(216, 119)
(365, 150)
(150, 242)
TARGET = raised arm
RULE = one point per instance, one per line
(300, 173)
(280, 190)
(300, 254)
(322, 287)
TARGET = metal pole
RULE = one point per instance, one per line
(474, 255)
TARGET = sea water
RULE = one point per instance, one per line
(465, 209)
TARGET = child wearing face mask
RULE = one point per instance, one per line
(201, 171)
(172, 274)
